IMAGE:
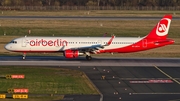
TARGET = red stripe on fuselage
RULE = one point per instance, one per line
(142, 45)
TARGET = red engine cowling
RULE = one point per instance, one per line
(71, 53)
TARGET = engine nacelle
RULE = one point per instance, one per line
(72, 53)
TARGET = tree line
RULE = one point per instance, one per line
(112, 3)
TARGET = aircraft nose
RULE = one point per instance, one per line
(7, 47)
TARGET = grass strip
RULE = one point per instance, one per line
(44, 80)
(121, 28)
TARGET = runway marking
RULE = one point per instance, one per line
(145, 78)
(167, 75)
(155, 93)
(175, 100)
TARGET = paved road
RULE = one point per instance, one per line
(81, 61)
(82, 18)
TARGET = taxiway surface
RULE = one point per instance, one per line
(134, 83)
(118, 79)
(81, 61)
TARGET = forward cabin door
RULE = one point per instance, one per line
(24, 42)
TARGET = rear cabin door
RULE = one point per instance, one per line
(144, 43)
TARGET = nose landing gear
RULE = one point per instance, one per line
(24, 56)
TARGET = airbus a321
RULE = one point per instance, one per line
(73, 47)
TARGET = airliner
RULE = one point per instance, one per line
(73, 47)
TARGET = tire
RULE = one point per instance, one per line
(88, 58)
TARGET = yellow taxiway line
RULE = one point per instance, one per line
(167, 75)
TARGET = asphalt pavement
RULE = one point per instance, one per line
(130, 79)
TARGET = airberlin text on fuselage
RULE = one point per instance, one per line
(43, 42)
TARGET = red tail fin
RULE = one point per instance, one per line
(160, 31)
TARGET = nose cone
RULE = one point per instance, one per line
(7, 47)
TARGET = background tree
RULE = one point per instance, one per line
(162, 3)
(56, 3)
(6, 3)
(112, 2)
(91, 3)
(17, 2)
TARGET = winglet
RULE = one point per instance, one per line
(110, 41)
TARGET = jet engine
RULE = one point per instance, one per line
(72, 53)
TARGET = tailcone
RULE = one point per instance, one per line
(164, 42)
(171, 41)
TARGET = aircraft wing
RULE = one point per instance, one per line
(96, 47)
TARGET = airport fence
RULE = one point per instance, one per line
(56, 8)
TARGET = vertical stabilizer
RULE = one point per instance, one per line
(160, 31)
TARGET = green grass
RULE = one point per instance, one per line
(41, 80)
(122, 28)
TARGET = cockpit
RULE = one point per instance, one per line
(11, 45)
(15, 42)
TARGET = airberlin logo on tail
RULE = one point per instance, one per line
(163, 27)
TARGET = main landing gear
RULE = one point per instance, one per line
(88, 57)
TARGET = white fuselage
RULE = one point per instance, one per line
(58, 44)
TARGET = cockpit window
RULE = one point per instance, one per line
(15, 42)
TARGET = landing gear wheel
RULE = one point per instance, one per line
(88, 57)
(24, 56)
